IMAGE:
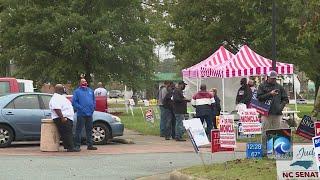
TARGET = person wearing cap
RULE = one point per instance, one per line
(273, 92)
(203, 101)
(179, 109)
(244, 93)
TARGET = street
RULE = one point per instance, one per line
(149, 155)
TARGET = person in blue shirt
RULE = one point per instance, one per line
(84, 102)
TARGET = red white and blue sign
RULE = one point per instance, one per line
(261, 107)
(254, 150)
(306, 128)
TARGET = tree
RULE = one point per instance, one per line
(198, 27)
(56, 41)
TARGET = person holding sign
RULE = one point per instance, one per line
(273, 92)
(203, 102)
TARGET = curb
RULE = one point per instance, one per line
(176, 175)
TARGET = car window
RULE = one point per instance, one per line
(46, 100)
(26, 102)
(4, 87)
(10, 105)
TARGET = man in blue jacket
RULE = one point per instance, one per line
(84, 102)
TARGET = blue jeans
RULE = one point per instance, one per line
(162, 120)
(179, 125)
(88, 123)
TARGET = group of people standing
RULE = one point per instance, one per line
(173, 108)
(62, 113)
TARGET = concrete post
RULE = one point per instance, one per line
(50, 138)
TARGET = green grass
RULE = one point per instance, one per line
(240, 169)
(138, 122)
(305, 109)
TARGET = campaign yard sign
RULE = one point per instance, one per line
(316, 145)
(227, 132)
(302, 166)
(250, 121)
(149, 115)
(261, 107)
(240, 134)
(215, 142)
(254, 150)
(306, 128)
(197, 131)
(279, 144)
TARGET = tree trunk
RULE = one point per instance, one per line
(87, 65)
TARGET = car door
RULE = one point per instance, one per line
(45, 99)
(25, 113)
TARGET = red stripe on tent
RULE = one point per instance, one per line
(245, 60)
(253, 60)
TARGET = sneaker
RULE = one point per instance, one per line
(91, 148)
(180, 139)
(73, 150)
(167, 138)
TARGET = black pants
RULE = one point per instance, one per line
(65, 130)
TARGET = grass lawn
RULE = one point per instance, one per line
(139, 123)
(240, 169)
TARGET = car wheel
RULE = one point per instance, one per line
(100, 133)
(6, 136)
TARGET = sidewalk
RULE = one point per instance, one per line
(142, 144)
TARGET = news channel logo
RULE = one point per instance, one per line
(279, 144)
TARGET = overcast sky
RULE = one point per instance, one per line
(163, 52)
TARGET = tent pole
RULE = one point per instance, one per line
(295, 94)
(223, 95)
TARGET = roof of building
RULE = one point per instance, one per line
(167, 77)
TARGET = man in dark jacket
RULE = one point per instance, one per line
(168, 107)
(179, 109)
(244, 93)
(203, 102)
(273, 92)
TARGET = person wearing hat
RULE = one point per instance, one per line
(179, 109)
(273, 92)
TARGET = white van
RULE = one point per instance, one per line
(25, 85)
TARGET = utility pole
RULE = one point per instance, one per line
(273, 35)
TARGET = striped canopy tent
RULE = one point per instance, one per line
(248, 63)
(202, 69)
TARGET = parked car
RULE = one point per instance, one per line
(21, 114)
(301, 101)
(115, 94)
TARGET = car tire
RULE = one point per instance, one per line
(100, 133)
(6, 136)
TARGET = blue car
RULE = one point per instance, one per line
(21, 114)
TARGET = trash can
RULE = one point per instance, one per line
(50, 138)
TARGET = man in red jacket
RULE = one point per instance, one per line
(203, 102)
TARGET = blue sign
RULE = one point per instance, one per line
(254, 150)
(306, 127)
(261, 107)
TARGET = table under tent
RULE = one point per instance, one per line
(225, 76)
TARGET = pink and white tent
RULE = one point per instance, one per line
(203, 68)
(247, 63)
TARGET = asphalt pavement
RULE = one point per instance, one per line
(124, 166)
(149, 155)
